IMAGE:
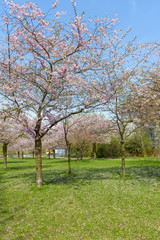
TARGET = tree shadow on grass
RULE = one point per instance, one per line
(50, 161)
(86, 175)
(55, 161)
(97, 174)
(15, 162)
(144, 173)
(62, 177)
(5, 214)
(22, 167)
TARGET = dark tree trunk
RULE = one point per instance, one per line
(33, 154)
(54, 154)
(66, 153)
(94, 150)
(78, 155)
(18, 154)
(5, 155)
(49, 154)
(22, 154)
(81, 155)
(69, 158)
(38, 155)
(68, 146)
(123, 156)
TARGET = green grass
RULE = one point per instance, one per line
(95, 202)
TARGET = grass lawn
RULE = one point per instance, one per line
(95, 202)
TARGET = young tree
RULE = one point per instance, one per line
(146, 100)
(122, 68)
(53, 139)
(84, 130)
(100, 129)
(9, 133)
(147, 95)
(23, 144)
(66, 128)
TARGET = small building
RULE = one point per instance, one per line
(60, 152)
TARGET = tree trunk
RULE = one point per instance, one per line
(5, 155)
(69, 158)
(22, 155)
(143, 147)
(49, 155)
(68, 146)
(33, 154)
(123, 156)
(94, 150)
(54, 154)
(81, 155)
(38, 155)
(66, 152)
(78, 155)
(18, 154)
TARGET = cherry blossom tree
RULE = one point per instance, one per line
(66, 128)
(48, 67)
(60, 137)
(81, 140)
(83, 130)
(54, 139)
(122, 69)
(146, 98)
(9, 133)
(78, 132)
(147, 95)
(100, 130)
(51, 62)
(88, 130)
(23, 144)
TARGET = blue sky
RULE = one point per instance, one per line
(142, 15)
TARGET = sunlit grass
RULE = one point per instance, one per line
(95, 202)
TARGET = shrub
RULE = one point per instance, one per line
(109, 150)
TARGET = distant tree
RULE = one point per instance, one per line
(9, 133)
(23, 144)
(88, 130)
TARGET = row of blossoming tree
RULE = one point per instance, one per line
(51, 71)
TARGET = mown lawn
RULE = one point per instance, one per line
(95, 202)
